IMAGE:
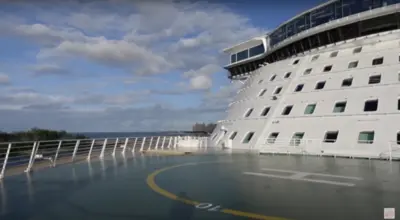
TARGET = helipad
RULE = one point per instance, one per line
(205, 186)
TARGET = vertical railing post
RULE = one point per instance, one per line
(176, 142)
(134, 145)
(3, 169)
(390, 151)
(115, 146)
(124, 148)
(169, 143)
(320, 147)
(158, 140)
(57, 152)
(75, 150)
(144, 140)
(199, 143)
(103, 148)
(162, 145)
(32, 158)
(91, 149)
(151, 141)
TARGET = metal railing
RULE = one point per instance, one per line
(321, 147)
(393, 150)
(24, 156)
(292, 146)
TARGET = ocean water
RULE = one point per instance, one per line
(130, 134)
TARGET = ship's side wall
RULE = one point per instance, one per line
(385, 121)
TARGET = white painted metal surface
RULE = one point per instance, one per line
(383, 122)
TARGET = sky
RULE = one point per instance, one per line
(124, 65)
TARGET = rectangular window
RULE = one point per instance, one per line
(398, 138)
(287, 75)
(272, 78)
(272, 137)
(374, 79)
(265, 111)
(327, 68)
(339, 107)
(278, 90)
(262, 92)
(257, 50)
(233, 58)
(315, 58)
(248, 113)
(242, 55)
(377, 61)
(310, 109)
(371, 106)
(334, 54)
(299, 88)
(287, 110)
(353, 64)
(248, 137)
(307, 71)
(296, 138)
(347, 82)
(233, 135)
(366, 137)
(320, 85)
(331, 136)
(357, 50)
(398, 104)
(296, 62)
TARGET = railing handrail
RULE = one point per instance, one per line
(85, 139)
(320, 147)
(13, 154)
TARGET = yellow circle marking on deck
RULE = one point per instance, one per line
(152, 184)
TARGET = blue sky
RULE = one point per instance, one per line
(112, 65)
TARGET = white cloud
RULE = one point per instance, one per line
(45, 34)
(205, 70)
(111, 52)
(48, 69)
(201, 78)
(30, 98)
(139, 38)
(200, 82)
(182, 36)
(4, 79)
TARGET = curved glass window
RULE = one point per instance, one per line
(242, 55)
(233, 58)
(257, 50)
(322, 15)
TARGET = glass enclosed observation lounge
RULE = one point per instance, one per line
(325, 24)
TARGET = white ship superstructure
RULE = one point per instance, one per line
(326, 82)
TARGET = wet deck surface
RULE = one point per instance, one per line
(227, 186)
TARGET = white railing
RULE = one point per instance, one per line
(24, 156)
(393, 150)
(292, 146)
(330, 148)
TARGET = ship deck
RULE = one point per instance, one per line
(205, 186)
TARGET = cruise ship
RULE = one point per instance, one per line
(325, 82)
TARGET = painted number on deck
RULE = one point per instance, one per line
(209, 206)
